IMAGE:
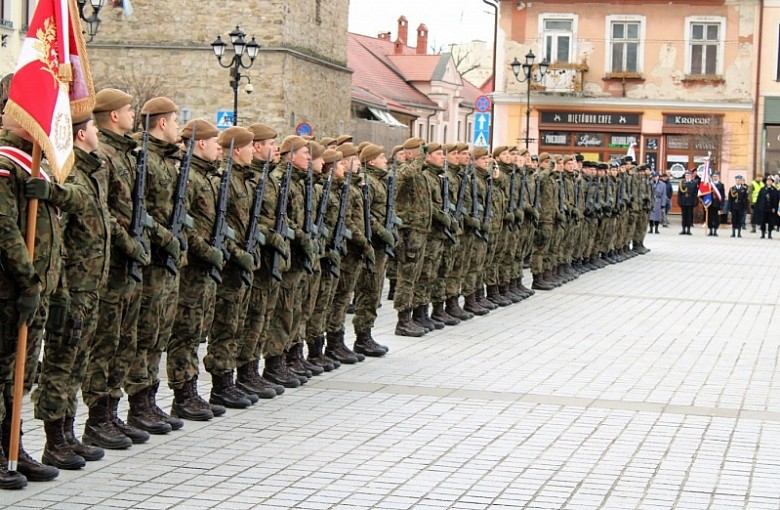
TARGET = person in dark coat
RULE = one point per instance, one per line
(687, 197)
(738, 205)
(765, 209)
(713, 210)
(660, 200)
(669, 192)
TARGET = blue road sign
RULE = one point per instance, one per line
(481, 130)
(303, 129)
(224, 119)
(482, 104)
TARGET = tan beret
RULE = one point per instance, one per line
(370, 152)
(413, 143)
(363, 145)
(523, 152)
(327, 140)
(316, 150)
(450, 147)
(479, 152)
(347, 149)
(568, 158)
(261, 132)
(108, 100)
(433, 147)
(396, 149)
(331, 156)
(498, 150)
(203, 130)
(343, 139)
(79, 117)
(292, 143)
(462, 147)
(544, 156)
(239, 135)
(159, 106)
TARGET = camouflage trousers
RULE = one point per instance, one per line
(556, 251)
(262, 300)
(155, 322)
(8, 320)
(65, 358)
(449, 252)
(506, 265)
(525, 246)
(282, 322)
(309, 293)
(477, 257)
(351, 267)
(230, 308)
(410, 255)
(368, 294)
(570, 240)
(461, 262)
(194, 314)
(392, 269)
(640, 227)
(543, 238)
(495, 253)
(426, 286)
(115, 343)
(318, 321)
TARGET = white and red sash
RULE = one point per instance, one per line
(22, 159)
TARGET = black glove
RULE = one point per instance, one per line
(37, 188)
(27, 304)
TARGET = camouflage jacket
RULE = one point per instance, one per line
(267, 220)
(162, 175)
(499, 202)
(507, 171)
(527, 182)
(243, 181)
(413, 197)
(17, 271)
(202, 196)
(377, 192)
(548, 197)
(435, 178)
(355, 222)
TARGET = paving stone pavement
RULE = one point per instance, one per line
(649, 384)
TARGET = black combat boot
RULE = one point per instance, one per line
(523, 288)
(314, 368)
(136, 435)
(141, 416)
(391, 290)
(263, 382)
(57, 452)
(174, 422)
(418, 316)
(437, 324)
(10, 479)
(338, 350)
(439, 314)
(100, 429)
(453, 309)
(33, 470)
(656, 227)
(651, 228)
(248, 381)
(90, 453)
(187, 407)
(483, 301)
(472, 306)
(315, 354)
(276, 372)
(224, 392)
(540, 283)
(295, 365)
(366, 345)
(505, 291)
(406, 326)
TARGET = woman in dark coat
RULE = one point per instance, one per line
(765, 209)
(660, 199)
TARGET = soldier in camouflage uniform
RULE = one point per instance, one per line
(115, 340)
(508, 236)
(476, 225)
(398, 157)
(25, 285)
(74, 306)
(232, 298)
(197, 289)
(160, 287)
(527, 202)
(497, 220)
(542, 260)
(368, 293)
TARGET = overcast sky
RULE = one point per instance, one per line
(448, 21)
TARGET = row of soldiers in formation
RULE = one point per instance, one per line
(161, 240)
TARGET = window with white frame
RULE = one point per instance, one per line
(625, 45)
(705, 41)
(558, 36)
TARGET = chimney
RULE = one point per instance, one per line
(384, 36)
(398, 48)
(422, 39)
(403, 30)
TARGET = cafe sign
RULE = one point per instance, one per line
(607, 119)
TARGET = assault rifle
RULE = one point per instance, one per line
(321, 231)
(281, 219)
(391, 220)
(461, 195)
(308, 222)
(488, 203)
(341, 231)
(561, 193)
(253, 234)
(538, 192)
(621, 195)
(220, 230)
(577, 190)
(367, 217)
(476, 207)
(608, 193)
(179, 215)
(138, 219)
(445, 199)
(512, 187)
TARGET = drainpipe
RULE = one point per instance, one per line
(428, 125)
(494, 5)
(466, 125)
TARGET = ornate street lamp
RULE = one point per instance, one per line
(526, 69)
(92, 22)
(240, 48)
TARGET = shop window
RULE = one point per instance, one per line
(5, 14)
(558, 35)
(625, 45)
(705, 40)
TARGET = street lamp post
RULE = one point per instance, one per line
(240, 47)
(92, 21)
(528, 76)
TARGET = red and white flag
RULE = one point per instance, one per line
(52, 75)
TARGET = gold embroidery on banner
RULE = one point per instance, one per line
(46, 49)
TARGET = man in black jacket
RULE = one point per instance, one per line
(687, 196)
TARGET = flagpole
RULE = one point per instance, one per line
(21, 341)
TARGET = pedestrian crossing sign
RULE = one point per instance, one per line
(224, 119)
(481, 130)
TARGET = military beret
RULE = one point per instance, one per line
(479, 152)
(316, 150)
(261, 132)
(579, 157)
(557, 157)
(203, 131)
(603, 166)
(347, 149)
(614, 164)
(327, 140)
(687, 172)
(450, 147)
(108, 100)
(627, 159)
(523, 152)
(291, 144)
(79, 117)
(370, 152)
(514, 148)
(567, 158)
(413, 143)
(544, 156)
(308, 138)
(534, 157)
(238, 135)
(343, 139)
(363, 145)
(716, 173)
(462, 147)
(396, 149)
(331, 156)
(433, 147)
(159, 106)
(498, 150)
